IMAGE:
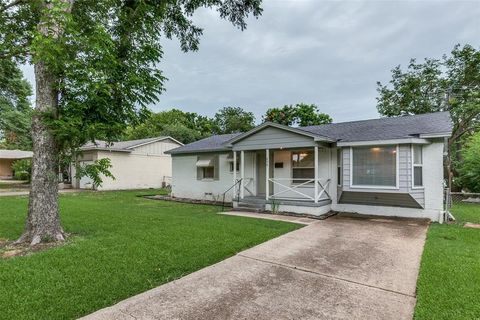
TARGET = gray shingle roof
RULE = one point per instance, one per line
(213, 143)
(15, 154)
(364, 130)
(385, 128)
(125, 146)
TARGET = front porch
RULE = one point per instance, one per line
(297, 180)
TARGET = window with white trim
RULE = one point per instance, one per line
(303, 166)
(339, 167)
(417, 166)
(374, 166)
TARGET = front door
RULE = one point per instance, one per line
(261, 173)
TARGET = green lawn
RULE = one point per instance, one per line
(122, 245)
(449, 281)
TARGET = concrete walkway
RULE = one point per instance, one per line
(339, 268)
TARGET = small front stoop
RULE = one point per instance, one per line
(250, 207)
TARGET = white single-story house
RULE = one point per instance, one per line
(387, 166)
(136, 164)
(8, 157)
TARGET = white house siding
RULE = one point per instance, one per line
(433, 175)
(157, 148)
(135, 171)
(144, 167)
(274, 138)
(186, 185)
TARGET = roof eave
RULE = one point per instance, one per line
(446, 134)
(172, 152)
(153, 141)
(382, 142)
(105, 149)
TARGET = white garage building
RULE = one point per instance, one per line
(136, 164)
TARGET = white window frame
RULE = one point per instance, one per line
(308, 185)
(416, 165)
(397, 171)
(339, 166)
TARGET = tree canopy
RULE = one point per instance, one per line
(451, 83)
(96, 73)
(301, 114)
(232, 120)
(183, 126)
(15, 108)
(448, 84)
(470, 168)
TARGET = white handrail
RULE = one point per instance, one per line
(294, 188)
(287, 188)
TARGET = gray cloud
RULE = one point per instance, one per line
(329, 53)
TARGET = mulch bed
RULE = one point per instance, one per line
(186, 200)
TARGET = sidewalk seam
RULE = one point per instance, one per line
(325, 275)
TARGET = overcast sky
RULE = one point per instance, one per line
(330, 53)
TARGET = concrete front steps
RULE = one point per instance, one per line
(302, 208)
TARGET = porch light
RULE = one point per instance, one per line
(376, 149)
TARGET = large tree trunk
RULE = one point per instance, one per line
(43, 221)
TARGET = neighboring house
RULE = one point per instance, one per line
(387, 166)
(7, 158)
(136, 164)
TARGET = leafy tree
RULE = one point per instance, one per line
(448, 84)
(183, 126)
(232, 120)
(284, 115)
(309, 115)
(470, 169)
(95, 75)
(301, 114)
(15, 107)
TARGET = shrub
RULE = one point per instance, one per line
(469, 168)
(22, 169)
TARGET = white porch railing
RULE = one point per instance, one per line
(287, 186)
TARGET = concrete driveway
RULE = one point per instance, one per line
(339, 268)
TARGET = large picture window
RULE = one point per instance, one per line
(374, 166)
(303, 166)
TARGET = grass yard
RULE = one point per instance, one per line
(449, 281)
(122, 245)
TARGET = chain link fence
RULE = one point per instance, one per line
(464, 197)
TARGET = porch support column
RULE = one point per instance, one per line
(242, 174)
(234, 174)
(316, 174)
(267, 173)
